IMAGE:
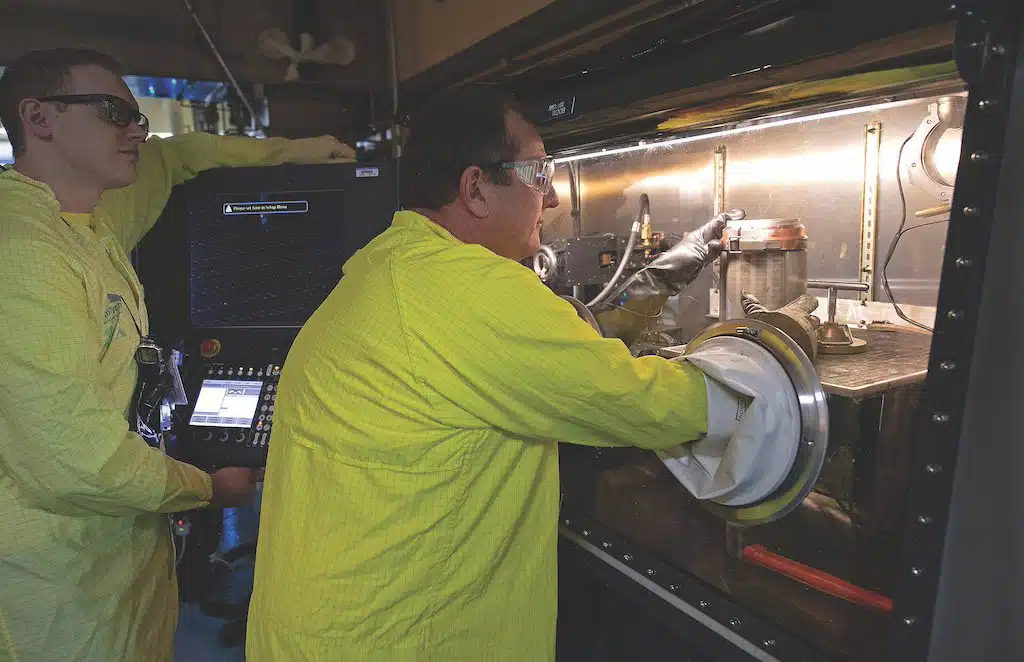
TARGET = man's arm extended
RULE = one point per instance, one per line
(164, 163)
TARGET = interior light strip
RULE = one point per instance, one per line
(644, 144)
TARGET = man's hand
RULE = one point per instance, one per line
(324, 149)
(234, 486)
(627, 312)
(684, 261)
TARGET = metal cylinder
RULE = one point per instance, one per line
(765, 257)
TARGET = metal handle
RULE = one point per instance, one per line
(933, 211)
(833, 288)
(830, 284)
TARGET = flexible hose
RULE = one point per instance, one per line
(645, 211)
(817, 579)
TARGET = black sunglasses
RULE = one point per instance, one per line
(113, 110)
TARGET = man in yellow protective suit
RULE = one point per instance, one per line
(86, 555)
(411, 499)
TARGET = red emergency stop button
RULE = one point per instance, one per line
(209, 348)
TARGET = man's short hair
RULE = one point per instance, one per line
(460, 128)
(40, 74)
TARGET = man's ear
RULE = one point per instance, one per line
(36, 118)
(472, 193)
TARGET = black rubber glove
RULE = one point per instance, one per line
(794, 319)
(628, 311)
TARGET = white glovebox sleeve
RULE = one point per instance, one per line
(753, 425)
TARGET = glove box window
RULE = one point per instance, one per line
(825, 573)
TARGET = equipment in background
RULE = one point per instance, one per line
(576, 262)
(239, 261)
(566, 263)
(636, 274)
(764, 257)
(274, 44)
(834, 337)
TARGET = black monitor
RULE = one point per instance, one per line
(245, 255)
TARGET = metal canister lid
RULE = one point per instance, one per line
(780, 234)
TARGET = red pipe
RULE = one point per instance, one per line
(816, 579)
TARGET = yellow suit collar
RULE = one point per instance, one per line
(414, 220)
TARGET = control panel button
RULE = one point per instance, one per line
(224, 435)
(266, 397)
(267, 427)
(240, 438)
(208, 436)
(270, 388)
(261, 417)
(271, 407)
(259, 426)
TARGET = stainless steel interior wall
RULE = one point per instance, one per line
(812, 170)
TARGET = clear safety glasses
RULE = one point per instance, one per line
(538, 174)
(113, 110)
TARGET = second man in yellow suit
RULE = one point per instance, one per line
(86, 556)
(411, 498)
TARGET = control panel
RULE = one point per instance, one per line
(232, 414)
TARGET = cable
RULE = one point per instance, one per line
(896, 240)
(181, 553)
(627, 254)
(224, 66)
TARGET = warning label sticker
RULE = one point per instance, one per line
(288, 207)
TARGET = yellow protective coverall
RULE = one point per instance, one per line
(86, 558)
(411, 498)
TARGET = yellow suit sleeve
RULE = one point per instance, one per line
(66, 449)
(166, 162)
(489, 337)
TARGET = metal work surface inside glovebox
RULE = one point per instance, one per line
(892, 358)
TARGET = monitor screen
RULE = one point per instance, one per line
(269, 259)
(226, 403)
